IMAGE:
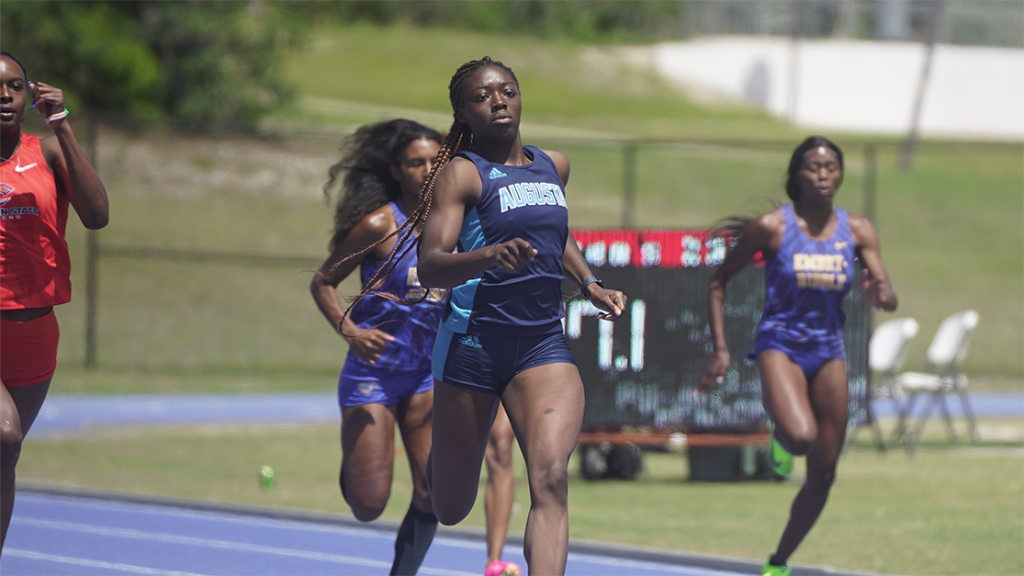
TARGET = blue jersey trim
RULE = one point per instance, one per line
(461, 304)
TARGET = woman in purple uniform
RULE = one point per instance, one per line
(809, 249)
(386, 377)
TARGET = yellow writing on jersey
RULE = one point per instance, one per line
(821, 271)
(416, 290)
(819, 263)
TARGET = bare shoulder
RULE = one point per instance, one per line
(559, 158)
(460, 178)
(561, 163)
(862, 229)
(374, 225)
(773, 222)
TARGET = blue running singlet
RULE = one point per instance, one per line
(806, 283)
(405, 363)
(516, 202)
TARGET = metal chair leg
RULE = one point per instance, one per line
(971, 422)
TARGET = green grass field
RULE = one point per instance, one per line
(946, 510)
(951, 233)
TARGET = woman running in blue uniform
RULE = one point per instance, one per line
(386, 377)
(502, 205)
(809, 249)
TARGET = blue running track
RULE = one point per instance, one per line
(69, 413)
(63, 534)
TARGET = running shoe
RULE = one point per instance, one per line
(499, 568)
(781, 461)
(770, 569)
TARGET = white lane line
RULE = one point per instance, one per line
(371, 533)
(213, 516)
(220, 544)
(17, 553)
(645, 565)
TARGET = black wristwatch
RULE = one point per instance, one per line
(587, 282)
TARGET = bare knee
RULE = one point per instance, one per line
(820, 479)
(797, 439)
(366, 501)
(549, 483)
(499, 452)
(10, 443)
(366, 511)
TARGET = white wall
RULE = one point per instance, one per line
(972, 92)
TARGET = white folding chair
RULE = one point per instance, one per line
(942, 375)
(887, 350)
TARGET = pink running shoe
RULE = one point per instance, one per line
(499, 568)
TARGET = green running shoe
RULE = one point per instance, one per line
(770, 569)
(780, 460)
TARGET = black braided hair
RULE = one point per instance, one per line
(368, 157)
(458, 138)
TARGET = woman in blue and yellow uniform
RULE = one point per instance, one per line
(809, 249)
(386, 377)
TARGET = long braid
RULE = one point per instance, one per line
(458, 138)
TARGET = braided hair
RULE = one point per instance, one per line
(368, 184)
(459, 137)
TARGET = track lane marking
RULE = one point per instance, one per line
(28, 554)
(221, 545)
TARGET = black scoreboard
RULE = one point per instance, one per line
(643, 370)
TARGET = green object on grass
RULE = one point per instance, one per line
(770, 569)
(267, 480)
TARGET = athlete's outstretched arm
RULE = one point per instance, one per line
(367, 344)
(75, 175)
(875, 285)
(755, 236)
(457, 190)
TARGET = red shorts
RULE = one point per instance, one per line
(28, 350)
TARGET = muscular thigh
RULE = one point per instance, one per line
(368, 447)
(783, 387)
(830, 399)
(545, 407)
(415, 415)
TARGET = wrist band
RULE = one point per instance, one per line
(587, 282)
(58, 116)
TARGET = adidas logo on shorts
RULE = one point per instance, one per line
(471, 341)
(495, 173)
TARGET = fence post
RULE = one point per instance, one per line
(870, 181)
(628, 183)
(92, 261)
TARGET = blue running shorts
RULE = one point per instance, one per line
(810, 357)
(360, 384)
(488, 363)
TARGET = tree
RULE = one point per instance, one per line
(210, 63)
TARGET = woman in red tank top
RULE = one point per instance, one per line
(39, 178)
